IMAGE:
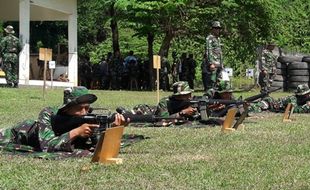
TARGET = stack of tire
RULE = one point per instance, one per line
(292, 71)
(280, 80)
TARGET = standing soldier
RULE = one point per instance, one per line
(191, 70)
(267, 67)
(9, 51)
(174, 67)
(213, 63)
(164, 71)
(183, 67)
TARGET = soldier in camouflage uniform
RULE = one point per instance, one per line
(172, 106)
(213, 62)
(223, 91)
(39, 136)
(163, 74)
(267, 67)
(300, 100)
(9, 51)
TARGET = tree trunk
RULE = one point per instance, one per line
(114, 29)
(164, 48)
(150, 41)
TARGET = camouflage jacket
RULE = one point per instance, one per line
(214, 50)
(162, 108)
(36, 135)
(268, 61)
(279, 105)
(9, 47)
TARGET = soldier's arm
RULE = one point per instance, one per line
(162, 109)
(2, 44)
(209, 52)
(47, 138)
(302, 109)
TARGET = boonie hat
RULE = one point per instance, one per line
(302, 89)
(9, 29)
(216, 24)
(76, 95)
(181, 88)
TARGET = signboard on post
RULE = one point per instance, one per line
(229, 71)
(156, 65)
(249, 73)
(156, 62)
(52, 66)
(45, 55)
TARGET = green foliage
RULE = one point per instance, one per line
(292, 24)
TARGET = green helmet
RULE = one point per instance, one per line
(181, 88)
(76, 95)
(302, 89)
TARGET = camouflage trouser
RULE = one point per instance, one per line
(265, 81)
(211, 78)
(10, 67)
(268, 103)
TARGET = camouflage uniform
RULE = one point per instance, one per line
(220, 110)
(9, 50)
(165, 106)
(213, 55)
(268, 63)
(38, 135)
(300, 101)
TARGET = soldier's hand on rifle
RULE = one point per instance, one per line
(120, 120)
(188, 111)
(84, 130)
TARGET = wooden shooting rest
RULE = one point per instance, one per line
(229, 119)
(108, 146)
(288, 113)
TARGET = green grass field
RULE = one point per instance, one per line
(267, 154)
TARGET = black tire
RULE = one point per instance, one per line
(298, 65)
(293, 85)
(298, 72)
(280, 65)
(289, 59)
(280, 71)
(306, 59)
(275, 87)
(278, 84)
(279, 78)
(298, 79)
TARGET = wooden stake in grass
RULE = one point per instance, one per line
(108, 146)
(288, 113)
(229, 119)
(156, 65)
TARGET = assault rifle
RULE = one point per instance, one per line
(63, 123)
(202, 103)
